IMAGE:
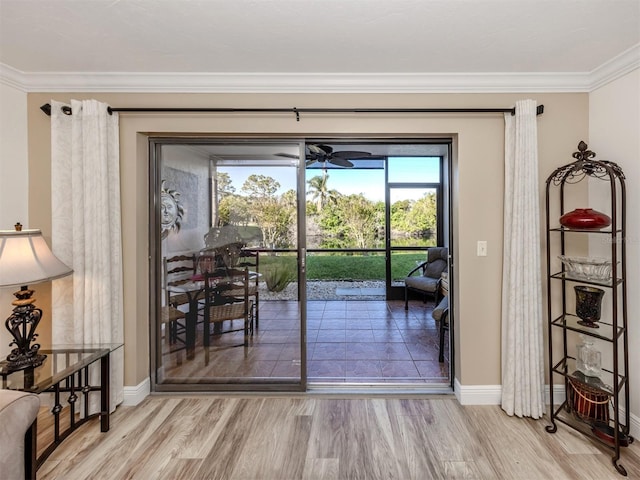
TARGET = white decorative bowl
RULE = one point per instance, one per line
(583, 268)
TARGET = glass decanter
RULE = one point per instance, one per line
(588, 359)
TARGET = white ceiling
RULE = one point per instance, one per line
(323, 45)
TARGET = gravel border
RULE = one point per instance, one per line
(322, 290)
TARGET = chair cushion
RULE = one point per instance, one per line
(437, 253)
(434, 269)
(425, 284)
(439, 311)
(437, 260)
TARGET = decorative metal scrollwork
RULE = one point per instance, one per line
(583, 153)
(585, 166)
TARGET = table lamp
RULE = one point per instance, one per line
(25, 259)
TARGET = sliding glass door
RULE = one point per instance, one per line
(227, 309)
(269, 271)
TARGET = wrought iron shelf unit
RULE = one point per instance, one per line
(607, 383)
(606, 231)
(606, 332)
(563, 415)
(592, 404)
(565, 276)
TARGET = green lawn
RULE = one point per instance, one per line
(345, 267)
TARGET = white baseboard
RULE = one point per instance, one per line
(136, 394)
(635, 426)
(634, 423)
(492, 394)
(477, 394)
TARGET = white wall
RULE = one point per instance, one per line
(14, 181)
(614, 134)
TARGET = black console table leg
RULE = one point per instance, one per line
(104, 393)
(30, 451)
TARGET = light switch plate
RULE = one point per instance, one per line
(482, 248)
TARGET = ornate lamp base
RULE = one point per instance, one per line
(22, 325)
(21, 362)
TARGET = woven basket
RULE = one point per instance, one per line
(587, 403)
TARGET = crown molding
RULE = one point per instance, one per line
(13, 78)
(615, 68)
(172, 82)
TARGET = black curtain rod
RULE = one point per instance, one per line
(46, 108)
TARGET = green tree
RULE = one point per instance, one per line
(399, 216)
(274, 215)
(233, 210)
(260, 186)
(355, 220)
(319, 191)
(223, 182)
(222, 189)
(422, 216)
(290, 197)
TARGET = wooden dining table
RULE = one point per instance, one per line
(194, 289)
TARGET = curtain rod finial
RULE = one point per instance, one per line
(46, 108)
(539, 110)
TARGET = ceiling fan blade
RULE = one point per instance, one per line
(351, 154)
(287, 155)
(310, 161)
(321, 149)
(316, 149)
(340, 162)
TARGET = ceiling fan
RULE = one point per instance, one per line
(325, 153)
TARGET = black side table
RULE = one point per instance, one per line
(70, 370)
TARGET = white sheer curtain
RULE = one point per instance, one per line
(86, 231)
(522, 329)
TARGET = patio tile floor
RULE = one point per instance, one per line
(351, 341)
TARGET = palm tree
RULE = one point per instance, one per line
(319, 190)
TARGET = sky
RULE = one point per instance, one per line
(351, 181)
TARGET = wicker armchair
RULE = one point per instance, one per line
(426, 277)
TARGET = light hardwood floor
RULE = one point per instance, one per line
(327, 437)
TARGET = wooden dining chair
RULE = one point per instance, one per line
(251, 260)
(170, 318)
(226, 298)
(177, 270)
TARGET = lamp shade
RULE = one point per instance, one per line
(25, 258)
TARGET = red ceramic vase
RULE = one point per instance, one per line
(585, 218)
